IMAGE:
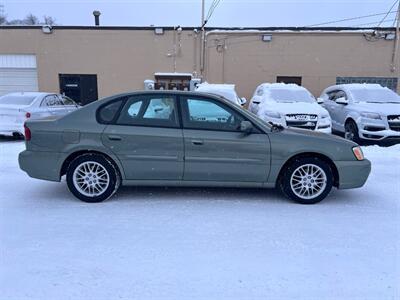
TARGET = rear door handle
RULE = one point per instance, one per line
(114, 138)
(197, 142)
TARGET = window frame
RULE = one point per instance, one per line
(49, 106)
(184, 113)
(147, 97)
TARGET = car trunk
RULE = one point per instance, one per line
(11, 115)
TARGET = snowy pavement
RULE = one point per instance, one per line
(184, 243)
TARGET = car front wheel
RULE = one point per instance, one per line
(307, 180)
(351, 131)
(92, 178)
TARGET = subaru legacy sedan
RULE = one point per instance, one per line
(176, 138)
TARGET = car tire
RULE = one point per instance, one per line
(351, 131)
(92, 178)
(307, 180)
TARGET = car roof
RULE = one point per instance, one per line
(31, 94)
(281, 85)
(354, 86)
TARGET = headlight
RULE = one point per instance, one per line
(371, 115)
(273, 114)
(324, 116)
(358, 153)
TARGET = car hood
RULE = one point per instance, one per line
(319, 136)
(294, 108)
(381, 108)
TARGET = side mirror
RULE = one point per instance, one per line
(246, 127)
(320, 100)
(342, 100)
(243, 101)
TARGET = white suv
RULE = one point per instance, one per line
(289, 105)
(364, 111)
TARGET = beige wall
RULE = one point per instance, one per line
(318, 57)
(122, 59)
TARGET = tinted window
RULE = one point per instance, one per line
(16, 100)
(340, 94)
(149, 111)
(208, 114)
(108, 112)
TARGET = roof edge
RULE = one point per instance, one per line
(273, 28)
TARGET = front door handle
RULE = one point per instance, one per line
(114, 138)
(197, 142)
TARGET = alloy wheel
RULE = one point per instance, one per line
(308, 181)
(91, 179)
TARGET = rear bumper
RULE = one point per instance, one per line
(41, 165)
(9, 129)
(353, 174)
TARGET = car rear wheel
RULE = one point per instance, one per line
(92, 178)
(307, 180)
(351, 131)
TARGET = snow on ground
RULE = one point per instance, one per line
(184, 243)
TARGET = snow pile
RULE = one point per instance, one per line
(193, 243)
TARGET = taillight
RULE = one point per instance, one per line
(28, 115)
(28, 134)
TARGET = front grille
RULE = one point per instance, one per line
(304, 121)
(394, 122)
(302, 124)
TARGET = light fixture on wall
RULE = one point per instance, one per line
(390, 36)
(47, 29)
(159, 30)
(266, 37)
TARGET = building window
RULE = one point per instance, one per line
(289, 79)
(389, 82)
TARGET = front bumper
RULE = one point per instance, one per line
(41, 165)
(376, 130)
(353, 174)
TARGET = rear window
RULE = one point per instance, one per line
(17, 100)
(107, 113)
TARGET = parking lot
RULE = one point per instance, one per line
(185, 243)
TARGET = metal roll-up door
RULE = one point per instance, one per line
(18, 73)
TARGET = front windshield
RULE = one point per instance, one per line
(383, 95)
(290, 96)
(16, 100)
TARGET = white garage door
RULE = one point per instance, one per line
(18, 73)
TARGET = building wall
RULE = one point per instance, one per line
(317, 57)
(122, 59)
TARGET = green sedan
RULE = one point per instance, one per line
(172, 138)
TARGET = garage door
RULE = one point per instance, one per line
(18, 73)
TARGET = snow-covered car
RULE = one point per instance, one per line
(16, 108)
(364, 111)
(289, 105)
(224, 90)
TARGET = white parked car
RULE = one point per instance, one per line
(16, 108)
(289, 105)
(224, 90)
(364, 111)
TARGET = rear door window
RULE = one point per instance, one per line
(145, 110)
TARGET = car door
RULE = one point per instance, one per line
(330, 105)
(340, 110)
(145, 136)
(215, 148)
